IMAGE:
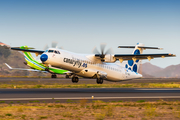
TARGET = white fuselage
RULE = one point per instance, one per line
(88, 66)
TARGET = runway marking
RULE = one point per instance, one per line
(78, 98)
(159, 89)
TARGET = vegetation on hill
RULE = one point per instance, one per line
(4, 52)
(14, 59)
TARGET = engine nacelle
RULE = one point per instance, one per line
(109, 58)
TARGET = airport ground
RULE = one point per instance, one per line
(96, 110)
(89, 102)
(63, 80)
(50, 90)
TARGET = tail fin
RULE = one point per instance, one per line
(27, 55)
(134, 65)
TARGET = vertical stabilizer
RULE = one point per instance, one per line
(27, 55)
(135, 64)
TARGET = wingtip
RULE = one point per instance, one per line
(172, 54)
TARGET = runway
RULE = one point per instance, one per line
(9, 80)
(105, 94)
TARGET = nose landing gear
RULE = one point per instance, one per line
(53, 76)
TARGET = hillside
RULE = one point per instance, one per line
(14, 59)
(148, 68)
(170, 71)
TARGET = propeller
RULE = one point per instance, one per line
(53, 45)
(102, 52)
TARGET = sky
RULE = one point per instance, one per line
(80, 25)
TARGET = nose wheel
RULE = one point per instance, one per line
(53, 76)
(75, 79)
(99, 81)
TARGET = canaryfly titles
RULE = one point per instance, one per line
(75, 62)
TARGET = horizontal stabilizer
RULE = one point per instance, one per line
(140, 47)
(126, 46)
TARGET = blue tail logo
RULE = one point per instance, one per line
(131, 64)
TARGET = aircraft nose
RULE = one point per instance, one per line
(43, 57)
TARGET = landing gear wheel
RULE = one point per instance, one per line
(99, 81)
(67, 76)
(53, 76)
(75, 79)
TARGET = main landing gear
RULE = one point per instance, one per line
(53, 76)
(99, 80)
(75, 79)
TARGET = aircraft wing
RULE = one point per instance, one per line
(28, 50)
(25, 69)
(123, 57)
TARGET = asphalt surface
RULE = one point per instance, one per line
(76, 94)
(82, 80)
(105, 94)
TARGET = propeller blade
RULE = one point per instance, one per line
(54, 44)
(45, 47)
(95, 51)
(102, 53)
(60, 47)
(103, 45)
(109, 51)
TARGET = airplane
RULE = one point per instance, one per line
(101, 66)
(38, 66)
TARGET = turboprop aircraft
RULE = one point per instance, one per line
(102, 66)
(38, 66)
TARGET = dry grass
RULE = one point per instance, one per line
(22, 84)
(96, 110)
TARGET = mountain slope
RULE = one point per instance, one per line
(14, 59)
(170, 71)
(148, 68)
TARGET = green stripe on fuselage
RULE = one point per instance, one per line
(58, 71)
(39, 66)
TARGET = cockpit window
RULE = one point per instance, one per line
(57, 52)
(54, 51)
(51, 51)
